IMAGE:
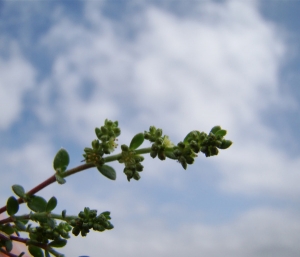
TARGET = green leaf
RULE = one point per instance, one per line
(61, 160)
(189, 136)
(19, 190)
(8, 245)
(12, 206)
(58, 243)
(7, 229)
(225, 144)
(215, 129)
(35, 251)
(37, 204)
(170, 155)
(51, 223)
(51, 204)
(4, 236)
(107, 171)
(60, 180)
(221, 132)
(136, 141)
(20, 225)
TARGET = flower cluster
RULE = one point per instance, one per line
(160, 143)
(132, 163)
(88, 219)
(104, 144)
(48, 230)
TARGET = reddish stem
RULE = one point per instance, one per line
(51, 180)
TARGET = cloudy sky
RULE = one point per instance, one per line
(66, 66)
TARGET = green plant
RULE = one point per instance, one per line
(48, 233)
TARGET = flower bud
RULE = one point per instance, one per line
(124, 148)
(139, 167)
(136, 176)
(128, 173)
(161, 155)
(153, 154)
(108, 123)
(104, 130)
(76, 231)
(95, 144)
(158, 133)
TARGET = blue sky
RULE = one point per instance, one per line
(66, 66)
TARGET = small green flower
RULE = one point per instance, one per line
(112, 145)
(167, 143)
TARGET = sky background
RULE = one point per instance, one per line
(66, 66)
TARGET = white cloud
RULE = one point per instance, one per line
(179, 73)
(17, 76)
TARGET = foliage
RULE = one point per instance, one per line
(52, 230)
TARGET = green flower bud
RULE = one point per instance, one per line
(98, 132)
(104, 130)
(128, 173)
(189, 160)
(158, 133)
(93, 213)
(213, 150)
(136, 176)
(177, 152)
(153, 154)
(108, 123)
(181, 145)
(104, 138)
(138, 158)
(73, 223)
(161, 155)
(117, 131)
(139, 167)
(159, 141)
(152, 129)
(184, 165)
(85, 225)
(76, 231)
(154, 147)
(81, 215)
(95, 144)
(147, 135)
(124, 148)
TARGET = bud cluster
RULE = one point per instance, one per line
(208, 144)
(160, 143)
(104, 144)
(132, 163)
(88, 219)
(186, 151)
(49, 231)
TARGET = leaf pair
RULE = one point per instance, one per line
(60, 164)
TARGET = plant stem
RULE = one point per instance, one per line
(51, 180)
(85, 166)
